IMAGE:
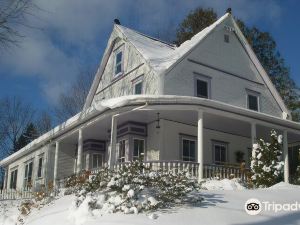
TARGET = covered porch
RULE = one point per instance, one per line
(208, 141)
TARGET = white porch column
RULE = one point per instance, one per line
(113, 142)
(200, 145)
(286, 157)
(5, 178)
(253, 134)
(87, 162)
(55, 164)
(79, 151)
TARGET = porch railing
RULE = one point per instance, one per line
(224, 171)
(209, 170)
(15, 194)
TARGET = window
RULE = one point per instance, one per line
(188, 150)
(226, 38)
(122, 149)
(138, 87)
(202, 89)
(138, 149)
(118, 63)
(220, 152)
(40, 167)
(253, 102)
(28, 175)
(97, 160)
(13, 179)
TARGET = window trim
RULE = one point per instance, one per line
(116, 52)
(188, 138)
(255, 94)
(137, 80)
(220, 143)
(144, 146)
(102, 155)
(14, 170)
(25, 179)
(207, 79)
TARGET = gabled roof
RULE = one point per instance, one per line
(162, 56)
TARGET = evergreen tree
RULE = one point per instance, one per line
(262, 44)
(26, 137)
(266, 164)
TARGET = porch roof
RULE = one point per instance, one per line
(144, 102)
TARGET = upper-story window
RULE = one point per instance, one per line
(202, 86)
(138, 88)
(137, 85)
(253, 100)
(119, 55)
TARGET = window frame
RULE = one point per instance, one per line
(203, 78)
(254, 94)
(221, 144)
(139, 154)
(190, 139)
(136, 81)
(13, 178)
(26, 175)
(101, 163)
(40, 169)
(120, 49)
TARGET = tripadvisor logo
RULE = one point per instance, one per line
(253, 206)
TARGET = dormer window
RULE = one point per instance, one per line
(119, 62)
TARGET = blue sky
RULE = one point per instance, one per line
(70, 36)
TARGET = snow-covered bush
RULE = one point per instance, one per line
(266, 161)
(75, 182)
(135, 188)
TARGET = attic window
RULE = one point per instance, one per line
(119, 62)
(226, 38)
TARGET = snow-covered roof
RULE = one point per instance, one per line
(161, 55)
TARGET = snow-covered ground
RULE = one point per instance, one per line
(219, 207)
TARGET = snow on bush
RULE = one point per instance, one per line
(266, 161)
(134, 188)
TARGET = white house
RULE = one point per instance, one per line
(199, 106)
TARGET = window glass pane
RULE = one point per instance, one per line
(40, 167)
(223, 154)
(138, 88)
(202, 89)
(217, 153)
(253, 102)
(118, 68)
(136, 148)
(119, 58)
(118, 63)
(185, 146)
(192, 150)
